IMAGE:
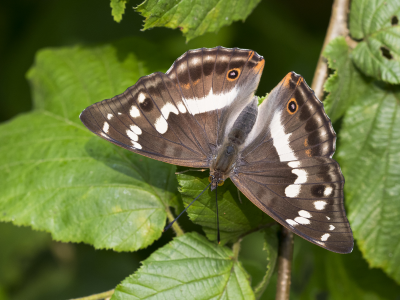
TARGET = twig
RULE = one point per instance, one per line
(284, 264)
(104, 295)
(337, 27)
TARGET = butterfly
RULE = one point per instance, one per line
(202, 113)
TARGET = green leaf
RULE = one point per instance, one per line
(194, 18)
(58, 177)
(190, 267)
(321, 274)
(235, 218)
(346, 84)
(369, 154)
(118, 9)
(16, 254)
(378, 54)
(271, 247)
(261, 99)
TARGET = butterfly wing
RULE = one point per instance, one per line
(176, 117)
(286, 167)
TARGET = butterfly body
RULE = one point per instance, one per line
(202, 113)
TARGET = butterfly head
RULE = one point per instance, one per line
(216, 180)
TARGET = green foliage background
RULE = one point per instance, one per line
(59, 57)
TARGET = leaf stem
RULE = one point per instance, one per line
(236, 248)
(178, 230)
(337, 27)
(284, 264)
(105, 295)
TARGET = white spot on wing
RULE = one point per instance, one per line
(291, 222)
(320, 205)
(136, 129)
(294, 164)
(106, 127)
(281, 139)
(328, 190)
(109, 116)
(134, 112)
(328, 218)
(161, 125)
(141, 97)
(119, 113)
(320, 243)
(132, 135)
(293, 190)
(167, 109)
(195, 60)
(211, 101)
(136, 145)
(331, 227)
(325, 237)
(302, 220)
(304, 214)
(181, 107)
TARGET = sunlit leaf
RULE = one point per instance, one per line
(190, 267)
(196, 17)
(58, 177)
(118, 9)
(346, 84)
(375, 22)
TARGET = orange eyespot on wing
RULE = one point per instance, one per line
(233, 74)
(292, 106)
(221, 183)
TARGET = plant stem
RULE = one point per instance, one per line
(236, 248)
(337, 27)
(104, 295)
(284, 264)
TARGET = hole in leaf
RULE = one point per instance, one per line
(386, 52)
(394, 20)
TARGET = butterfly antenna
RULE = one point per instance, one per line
(170, 224)
(216, 205)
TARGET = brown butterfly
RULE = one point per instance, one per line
(203, 113)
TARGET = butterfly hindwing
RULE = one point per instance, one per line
(287, 171)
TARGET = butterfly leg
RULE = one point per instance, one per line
(191, 170)
(240, 199)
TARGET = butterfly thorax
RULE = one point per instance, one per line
(228, 152)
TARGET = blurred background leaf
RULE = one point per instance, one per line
(118, 9)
